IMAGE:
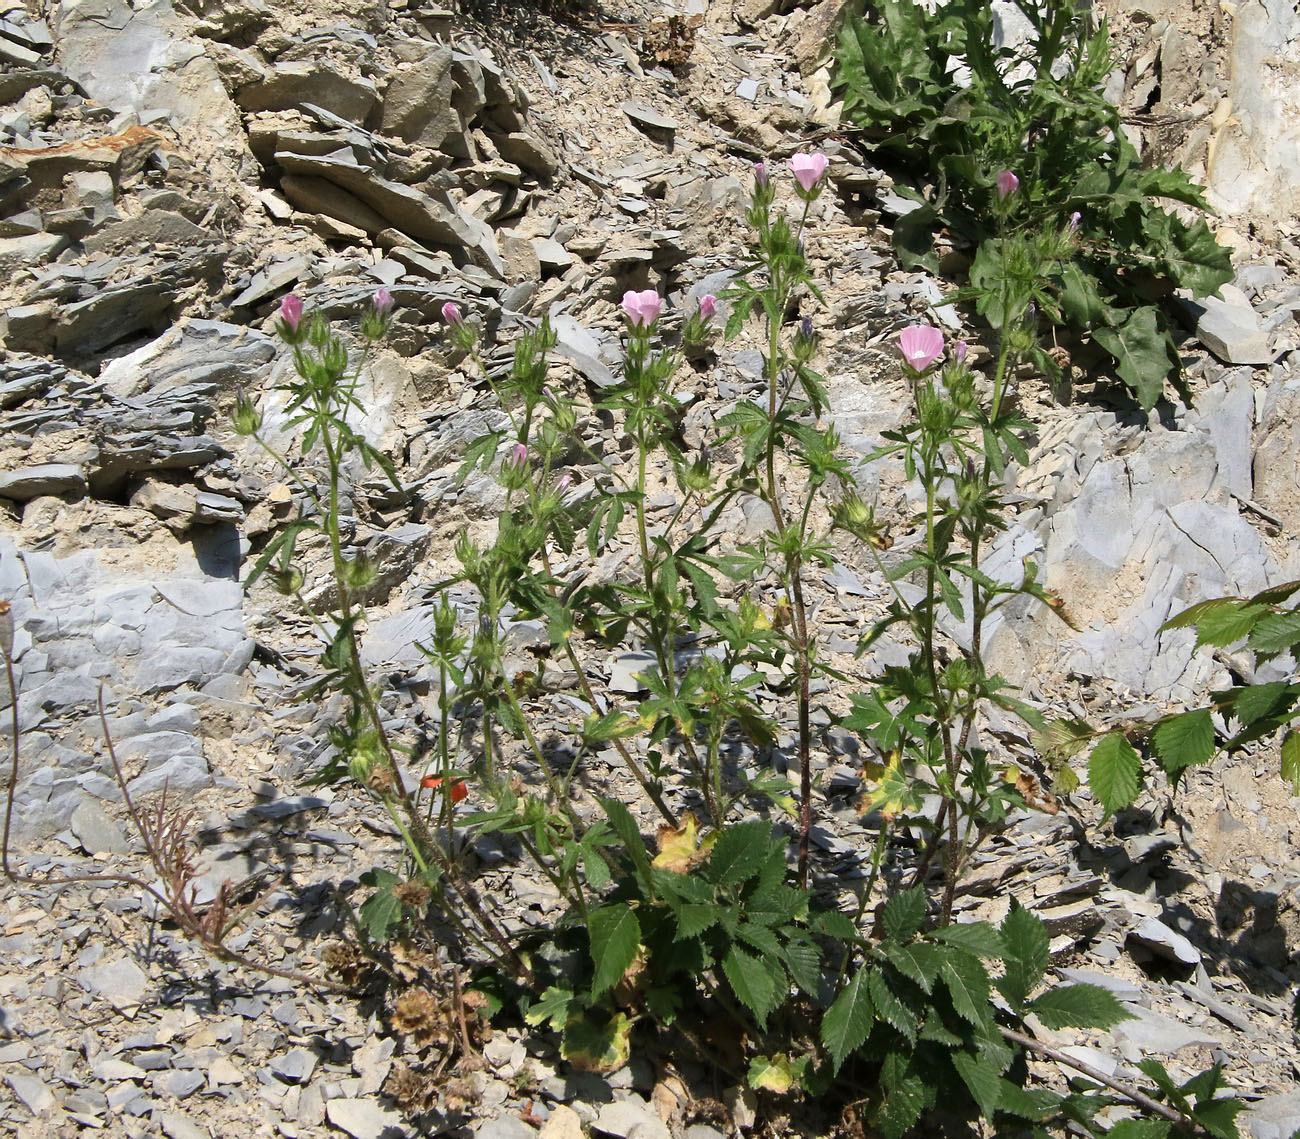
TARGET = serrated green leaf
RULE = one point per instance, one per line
(693, 919)
(834, 924)
(1114, 772)
(889, 1007)
(906, 1096)
(752, 983)
(760, 938)
(1258, 700)
(976, 937)
(1219, 1117)
(1276, 633)
(1025, 951)
(968, 985)
(920, 961)
(1184, 740)
(380, 912)
(739, 854)
(903, 914)
(803, 961)
(664, 1003)
(1224, 624)
(1079, 1006)
(848, 1021)
(1191, 615)
(983, 1079)
(615, 937)
(1036, 1104)
(1291, 760)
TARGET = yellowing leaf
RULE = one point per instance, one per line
(894, 792)
(679, 846)
(774, 1075)
(596, 1047)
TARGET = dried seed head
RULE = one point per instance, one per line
(417, 1014)
(412, 895)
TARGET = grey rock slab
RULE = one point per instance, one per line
(289, 85)
(121, 982)
(417, 104)
(27, 483)
(1152, 1032)
(505, 1127)
(1165, 942)
(178, 1127)
(97, 833)
(625, 670)
(623, 1117)
(180, 1083)
(36, 1097)
(295, 1066)
(1231, 331)
(643, 116)
(364, 1119)
(1273, 1117)
(31, 249)
(584, 349)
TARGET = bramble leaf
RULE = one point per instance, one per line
(615, 941)
(1079, 1006)
(1184, 740)
(1114, 772)
(848, 1021)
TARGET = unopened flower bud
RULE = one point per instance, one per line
(383, 302)
(451, 314)
(708, 306)
(959, 351)
(247, 419)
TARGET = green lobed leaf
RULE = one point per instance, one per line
(626, 828)
(904, 913)
(554, 1007)
(1184, 740)
(1142, 353)
(1079, 1006)
(848, 1021)
(1114, 772)
(615, 937)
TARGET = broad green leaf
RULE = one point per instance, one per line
(906, 1096)
(663, 1002)
(1219, 1117)
(1291, 760)
(904, 913)
(968, 985)
(803, 961)
(1140, 1129)
(1081, 303)
(835, 924)
(1079, 1006)
(739, 853)
(554, 1007)
(751, 982)
(615, 941)
(1025, 950)
(1258, 700)
(1142, 354)
(1026, 1103)
(1225, 623)
(983, 1078)
(889, 1006)
(976, 937)
(1114, 772)
(848, 1021)
(1184, 740)
(1194, 613)
(920, 961)
(695, 918)
(1276, 633)
(381, 911)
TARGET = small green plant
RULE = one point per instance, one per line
(933, 94)
(1268, 624)
(870, 999)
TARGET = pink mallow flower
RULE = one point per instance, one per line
(809, 168)
(291, 311)
(921, 345)
(451, 314)
(708, 306)
(959, 351)
(383, 301)
(642, 308)
(1008, 184)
